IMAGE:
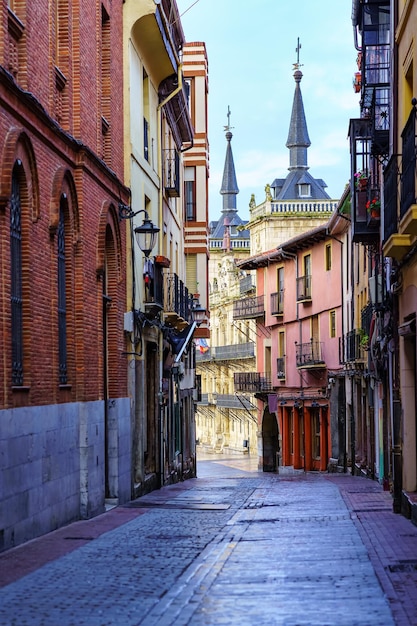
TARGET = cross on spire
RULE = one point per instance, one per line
(228, 127)
(297, 65)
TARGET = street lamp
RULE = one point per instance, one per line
(199, 313)
(146, 233)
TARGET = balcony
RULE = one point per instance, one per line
(352, 347)
(177, 302)
(309, 355)
(228, 353)
(171, 173)
(252, 382)
(233, 402)
(364, 185)
(304, 289)
(249, 308)
(246, 284)
(277, 303)
(235, 351)
(281, 368)
(400, 223)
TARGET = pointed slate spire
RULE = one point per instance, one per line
(298, 140)
(229, 188)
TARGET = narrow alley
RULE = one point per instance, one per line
(233, 546)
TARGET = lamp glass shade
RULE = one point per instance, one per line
(146, 236)
(199, 313)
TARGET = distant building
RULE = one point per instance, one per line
(297, 202)
(297, 309)
(225, 421)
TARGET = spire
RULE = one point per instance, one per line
(229, 188)
(298, 140)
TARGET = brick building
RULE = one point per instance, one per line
(64, 411)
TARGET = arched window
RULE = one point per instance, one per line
(16, 298)
(62, 300)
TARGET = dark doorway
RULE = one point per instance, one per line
(270, 442)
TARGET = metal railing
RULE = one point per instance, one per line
(252, 382)
(281, 368)
(277, 303)
(248, 308)
(408, 187)
(308, 354)
(304, 288)
(171, 172)
(177, 298)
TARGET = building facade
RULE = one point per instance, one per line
(64, 408)
(395, 79)
(164, 105)
(295, 213)
(298, 376)
(226, 421)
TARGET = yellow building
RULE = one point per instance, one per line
(400, 239)
(160, 312)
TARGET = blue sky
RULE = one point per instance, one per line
(251, 49)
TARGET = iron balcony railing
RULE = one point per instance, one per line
(352, 346)
(177, 297)
(252, 382)
(309, 354)
(408, 187)
(171, 165)
(233, 402)
(246, 284)
(234, 351)
(303, 288)
(366, 318)
(281, 368)
(391, 180)
(277, 303)
(231, 352)
(248, 308)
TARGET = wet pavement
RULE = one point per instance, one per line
(233, 546)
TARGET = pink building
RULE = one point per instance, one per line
(299, 311)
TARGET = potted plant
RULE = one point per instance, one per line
(361, 180)
(363, 339)
(373, 208)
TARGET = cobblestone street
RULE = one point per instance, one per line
(234, 546)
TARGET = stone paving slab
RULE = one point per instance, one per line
(309, 549)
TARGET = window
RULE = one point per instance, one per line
(62, 300)
(328, 257)
(304, 190)
(16, 280)
(315, 432)
(280, 280)
(146, 112)
(332, 323)
(189, 194)
(105, 85)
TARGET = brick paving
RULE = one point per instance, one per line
(206, 552)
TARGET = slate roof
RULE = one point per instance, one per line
(229, 191)
(298, 143)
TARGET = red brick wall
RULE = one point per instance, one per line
(54, 161)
